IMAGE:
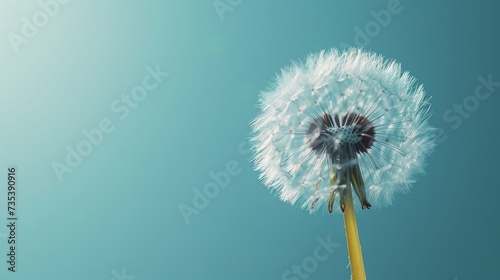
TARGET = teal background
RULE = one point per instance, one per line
(120, 207)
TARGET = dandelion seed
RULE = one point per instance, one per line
(352, 117)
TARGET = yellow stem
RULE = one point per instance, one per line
(352, 236)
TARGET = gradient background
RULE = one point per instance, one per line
(120, 207)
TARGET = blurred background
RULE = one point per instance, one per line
(128, 123)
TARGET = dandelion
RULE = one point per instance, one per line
(342, 121)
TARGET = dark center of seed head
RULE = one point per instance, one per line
(349, 135)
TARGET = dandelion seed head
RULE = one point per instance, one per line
(334, 111)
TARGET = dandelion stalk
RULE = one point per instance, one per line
(352, 237)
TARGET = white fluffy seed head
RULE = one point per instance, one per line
(337, 83)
